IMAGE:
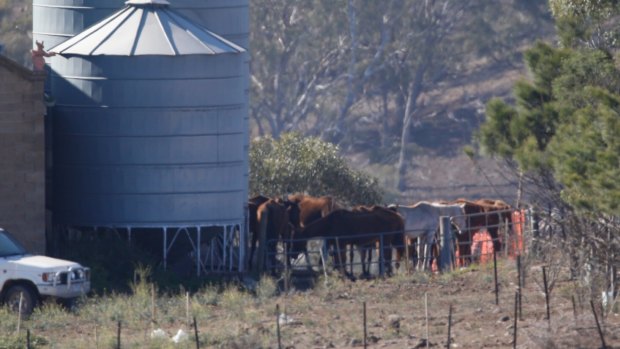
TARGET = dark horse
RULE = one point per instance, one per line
(311, 209)
(365, 250)
(253, 204)
(482, 214)
(360, 228)
(276, 219)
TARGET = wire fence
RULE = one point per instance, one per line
(500, 232)
(438, 325)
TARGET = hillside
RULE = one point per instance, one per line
(439, 168)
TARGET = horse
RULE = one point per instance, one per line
(482, 214)
(253, 204)
(311, 209)
(422, 222)
(276, 219)
(361, 228)
(365, 250)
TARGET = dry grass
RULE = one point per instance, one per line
(327, 315)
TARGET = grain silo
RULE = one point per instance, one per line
(55, 21)
(150, 128)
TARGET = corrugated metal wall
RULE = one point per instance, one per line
(55, 21)
(137, 145)
(228, 18)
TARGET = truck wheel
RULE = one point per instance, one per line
(28, 298)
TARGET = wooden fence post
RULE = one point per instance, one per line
(519, 285)
(449, 327)
(118, 335)
(278, 326)
(196, 334)
(544, 270)
(514, 336)
(365, 330)
(381, 256)
(495, 277)
(426, 316)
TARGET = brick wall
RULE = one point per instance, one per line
(22, 154)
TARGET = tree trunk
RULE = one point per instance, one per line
(414, 90)
(404, 139)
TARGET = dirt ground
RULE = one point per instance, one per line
(396, 310)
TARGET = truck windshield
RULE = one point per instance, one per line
(9, 246)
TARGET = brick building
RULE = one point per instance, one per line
(22, 154)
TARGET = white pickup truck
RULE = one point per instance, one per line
(27, 278)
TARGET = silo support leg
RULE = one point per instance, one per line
(165, 248)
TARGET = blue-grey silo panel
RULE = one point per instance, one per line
(55, 21)
(179, 209)
(228, 18)
(149, 140)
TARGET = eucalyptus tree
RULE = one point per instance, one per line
(296, 53)
(422, 30)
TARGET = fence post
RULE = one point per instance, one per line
(381, 256)
(519, 285)
(449, 327)
(514, 335)
(286, 270)
(118, 336)
(278, 326)
(445, 232)
(406, 241)
(506, 237)
(495, 277)
(426, 317)
(365, 330)
(544, 271)
(196, 334)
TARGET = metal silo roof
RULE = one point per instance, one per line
(146, 27)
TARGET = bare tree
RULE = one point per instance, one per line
(430, 22)
(294, 62)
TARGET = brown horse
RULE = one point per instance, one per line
(366, 250)
(276, 220)
(482, 214)
(361, 228)
(311, 209)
